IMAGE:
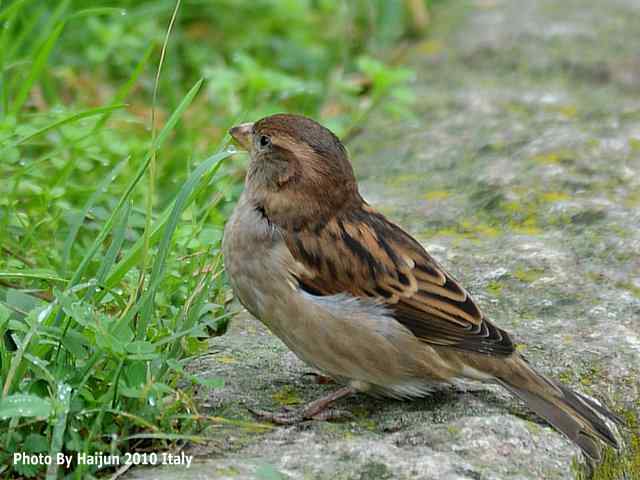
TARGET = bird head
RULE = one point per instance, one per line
(299, 172)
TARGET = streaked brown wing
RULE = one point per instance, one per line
(361, 253)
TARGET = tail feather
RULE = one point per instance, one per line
(600, 409)
(578, 417)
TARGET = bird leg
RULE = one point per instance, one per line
(318, 378)
(316, 410)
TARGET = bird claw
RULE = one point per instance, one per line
(289, 416)
(332, 414)
(316, 410)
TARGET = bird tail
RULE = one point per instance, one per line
(578, 417)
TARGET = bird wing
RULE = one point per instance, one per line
(362, 253)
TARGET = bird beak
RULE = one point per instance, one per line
(241, 135)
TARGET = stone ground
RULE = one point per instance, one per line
(520, 172)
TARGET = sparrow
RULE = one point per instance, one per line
(356, 297)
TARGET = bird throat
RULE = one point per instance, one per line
(296, 211)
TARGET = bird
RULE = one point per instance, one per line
(357, 298)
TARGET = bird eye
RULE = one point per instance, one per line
(264, 141)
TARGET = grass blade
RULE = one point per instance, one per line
(36, 69)
(63, 405)
(12, 9)
(25, 33)
(34, 275)
(134, 253)
(116, 244)
(171, 122)
(64, 121)
(96, 11)
(36, 322)
(114, 248)
(146, 301)
(78, 219)
(124, 91)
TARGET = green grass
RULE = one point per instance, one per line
(115, 185)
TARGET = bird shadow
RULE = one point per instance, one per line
(444, 405)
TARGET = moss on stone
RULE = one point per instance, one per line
(230, 471)
(287, 396)
(630, 287)
(584, 375)
(466, 229)
(554, 196)
(375, 470)
(555, 157)
(495, 288)
(434, 195)
(528, 275)
(622, 465)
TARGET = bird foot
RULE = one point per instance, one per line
(293, 417)
(316, 410)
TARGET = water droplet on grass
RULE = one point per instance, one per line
(45, 312)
